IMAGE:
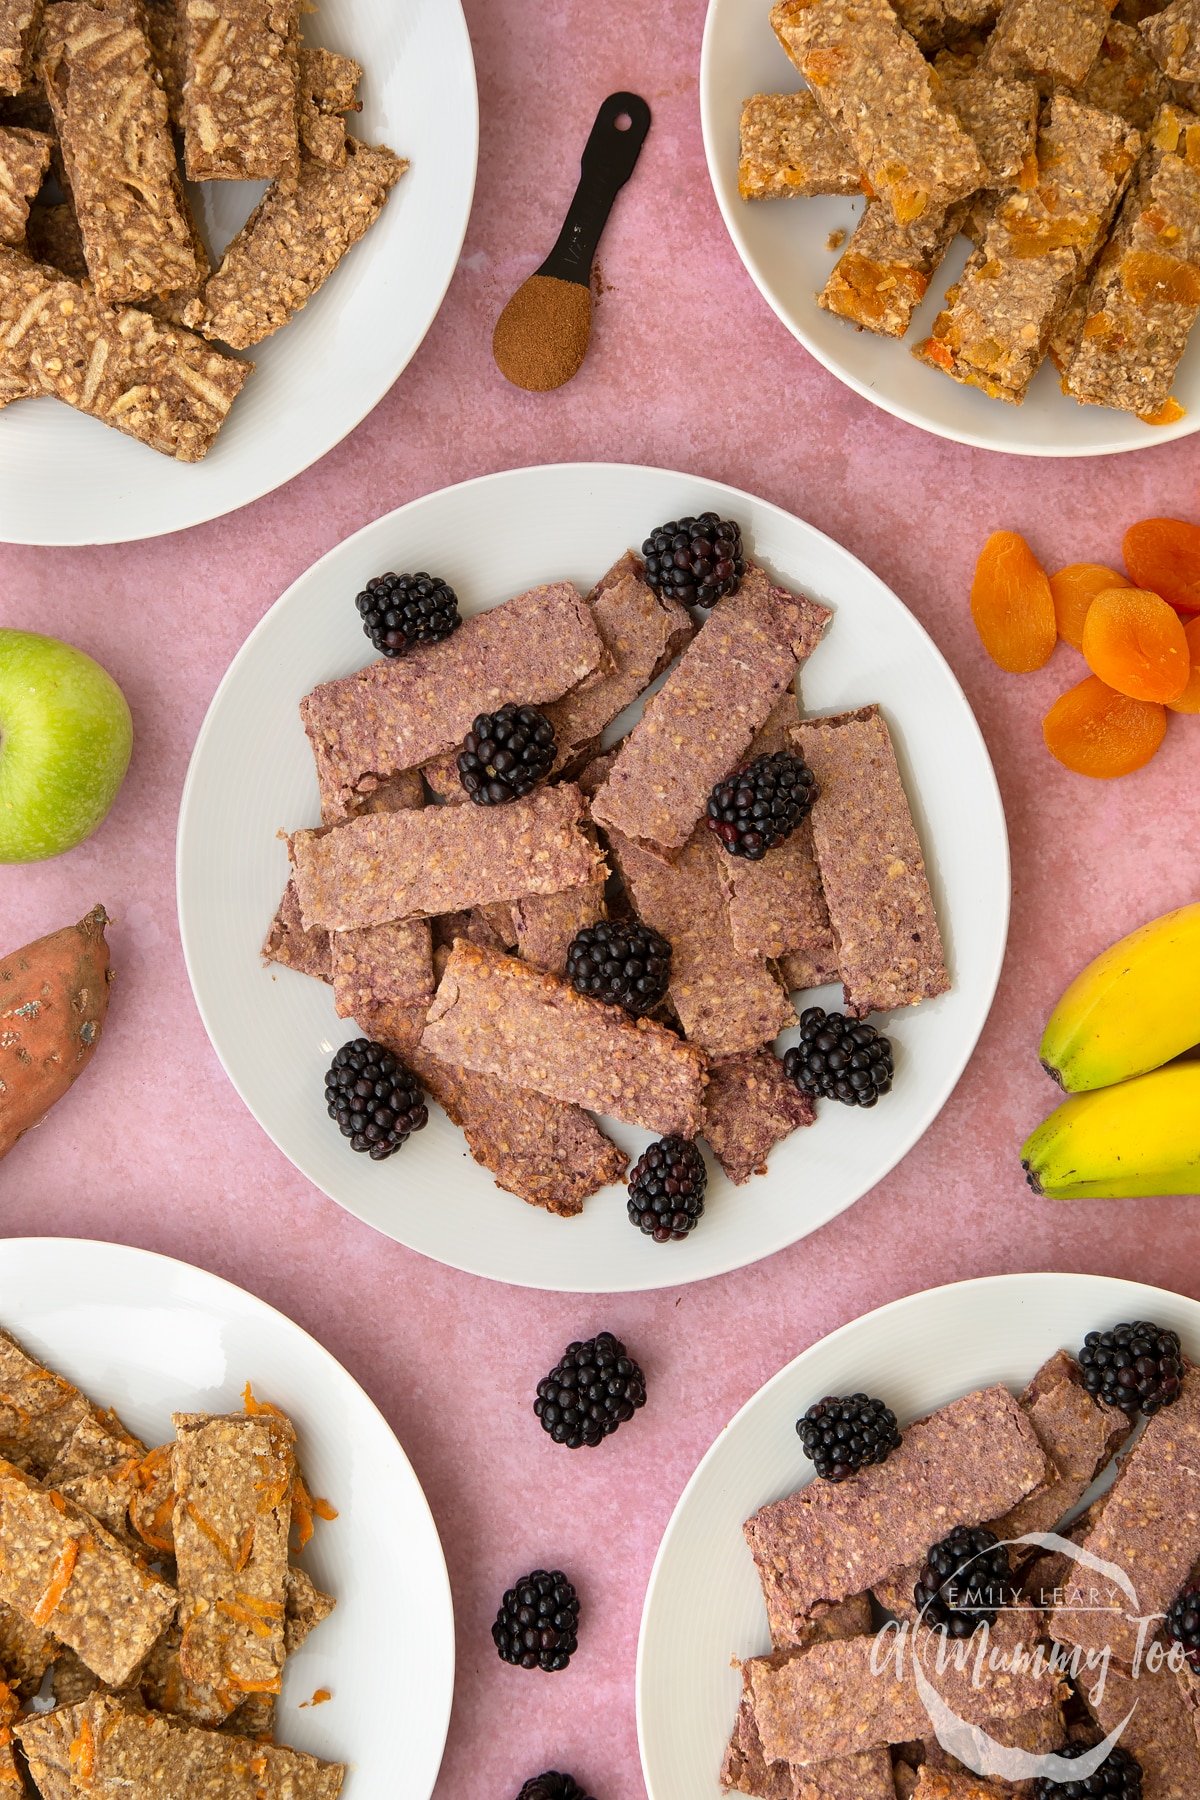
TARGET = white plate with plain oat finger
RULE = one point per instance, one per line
(276, 1030)
(66, 478)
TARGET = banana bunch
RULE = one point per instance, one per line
(1131, 1126)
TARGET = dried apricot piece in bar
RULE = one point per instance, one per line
(1093, 730)
(1163, 555)
(1012, 605)
(1074, 588)
(1134, 641)
(1189, 700)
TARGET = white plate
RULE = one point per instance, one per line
(65, 479)
(152, 1336)
(252, 773)
(783, 245)
(704, 1604)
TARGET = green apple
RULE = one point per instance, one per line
(65, 740)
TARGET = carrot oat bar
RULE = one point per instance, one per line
(407, 865)
(1054, 40)
(1145, 296)
(889, 948)
(749, 1107)
(328, 91)
(18, 29)
(111, 114)
(696, 728)
(240, 98)
(97, 1468)
(999, 319)
(39, 1410)
(24, 159)
(293, 241)
(973, 1460)
(108, 1749)
(875, 86)
(154, 382)
(398, 713)
(499, 1016)
(62, 1571)
(26, 1652)
(789, 147)
(1173, 39)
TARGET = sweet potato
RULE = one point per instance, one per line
(53, 1001)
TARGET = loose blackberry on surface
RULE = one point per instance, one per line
(592, 1390)
(1183, 1623)
(537, 1626)
(621, 962)
(840, 1059)
(1119, 1777)
(376, 1102)
(399, 611)
(759, 807)
(696, 561)
(844, 1433)
(506, 754)
(666, 1189)
(552, 1786)
(1138, 1366)
(965, 1581)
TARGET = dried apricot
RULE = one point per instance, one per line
(1093, 730)
(1133, 640)
(1163, 555)
(1189, 700)
(1074, 588)
(1012, 605)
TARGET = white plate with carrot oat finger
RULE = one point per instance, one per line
(1032, 288)
(172, 349)
(560, 951)
(209, 1536)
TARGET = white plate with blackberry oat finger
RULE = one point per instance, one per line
(976, 1463)
(583, 879)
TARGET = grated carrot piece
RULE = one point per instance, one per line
(210, 1531)
(319, 1698)
(60, 1581)
(82, 1753)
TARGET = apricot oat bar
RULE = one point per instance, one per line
(749, 1107)
(24, 159)
(107, 1748)
(1173, 39)
(18, 29)
(936, 23)
(1145, 296)
(1053, 40)
(1124, 78)
(789, 147)
(889, 948)
(293, 241)
(499, 1016)
(154, 382)
(698, 725)
(873, 83)
(111, 114)
(328, 91)
(240, 93)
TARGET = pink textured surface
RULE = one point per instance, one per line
(688, 369)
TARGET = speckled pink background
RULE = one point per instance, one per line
(689, 369)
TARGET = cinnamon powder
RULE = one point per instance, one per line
(541, 337)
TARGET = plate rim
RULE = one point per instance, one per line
(135, 1254)
(889, 1308)
(208, 514)
(711, 130)
(649, 1282)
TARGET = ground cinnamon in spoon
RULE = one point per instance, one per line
(542, 335)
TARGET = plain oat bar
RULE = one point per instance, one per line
(749, 1107)
(499, 1016)
(111, 114)
(52, 237)
(293, 241)
(18, 29)
(24, 159)
(328, 91)
(788, 147)
(889, 948)
(240, 94)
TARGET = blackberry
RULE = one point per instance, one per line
(505, 754)
(537, 1626)
(759, 808)
(1138, 1367)
(552, 1786)
(623, 963)
(695, 561)
(843, 1433)
(1183, 1624)
(840, 1059)
(1119, 1777)
(965, 1581)
(592, 1389)
(666, 1189)
(399, 611)
(377, 1102)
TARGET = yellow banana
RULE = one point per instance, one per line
(1137, 1139)
(1135, 1008)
